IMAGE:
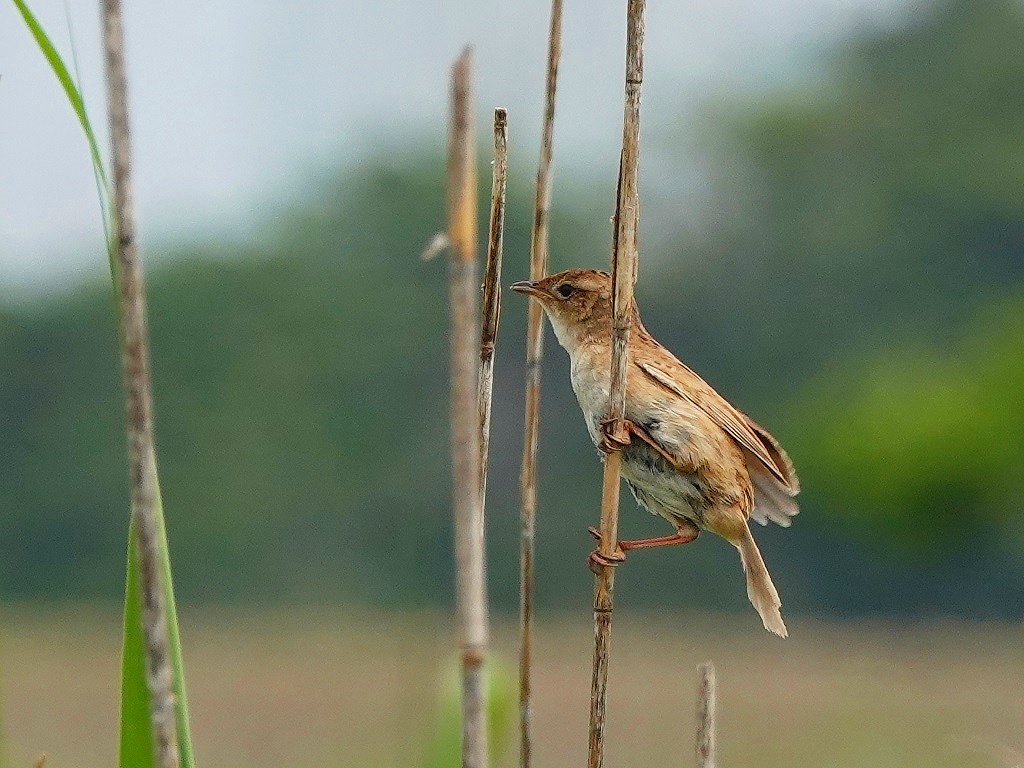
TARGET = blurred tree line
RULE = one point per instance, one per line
(857, 284)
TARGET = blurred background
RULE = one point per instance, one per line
(832, 235)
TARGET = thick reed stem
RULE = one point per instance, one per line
(134, 335)
(624, 267)
(534, 354)
(470, 588)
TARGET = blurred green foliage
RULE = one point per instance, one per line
(856, 286)
(929, 442)
(444, 749)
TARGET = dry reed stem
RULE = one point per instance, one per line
(138, 399)
(534, 355)
(624, 265)
(492, 293)
(471, 598)
(489, 321)
(706, 737)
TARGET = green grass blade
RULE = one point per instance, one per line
(136, 747)
(74, 97)
(98, 171)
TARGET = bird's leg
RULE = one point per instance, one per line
(610, 441)
(686, 532)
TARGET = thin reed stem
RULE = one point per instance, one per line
(534, 354)
(489, 321)
(492, 292)
(624, 267)
(471, 598)
(134, 335)
(706, 736)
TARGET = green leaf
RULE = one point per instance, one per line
(136, 726)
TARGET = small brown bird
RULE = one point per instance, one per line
(696, 461)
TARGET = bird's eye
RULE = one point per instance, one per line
(565, 290)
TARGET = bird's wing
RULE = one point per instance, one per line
(678, 379)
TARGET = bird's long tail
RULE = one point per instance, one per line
(760, 589)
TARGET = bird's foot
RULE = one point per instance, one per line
(598, 560)
(614, 435)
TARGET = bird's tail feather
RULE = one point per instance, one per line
(760, 589)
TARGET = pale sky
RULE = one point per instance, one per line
(238, 103)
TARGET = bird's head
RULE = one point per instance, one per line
(578, 302)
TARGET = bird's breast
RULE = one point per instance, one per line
(590, 383)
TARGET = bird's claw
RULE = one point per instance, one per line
(613, 439)
(598, 560)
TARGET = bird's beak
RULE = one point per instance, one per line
(528, 288)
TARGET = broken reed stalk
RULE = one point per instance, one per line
(492, 293)
(624, 266)
(471, 598)
(706, 739)
(534, 354)
(134, 335)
